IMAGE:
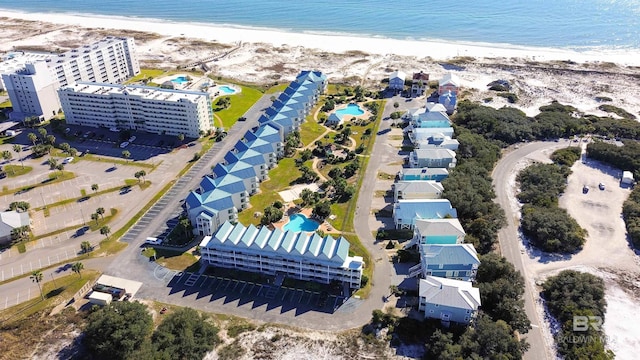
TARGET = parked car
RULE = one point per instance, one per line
(124, 144)
(67, 160)
(133, 138)
(153, 241)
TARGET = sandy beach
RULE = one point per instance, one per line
(265, 56)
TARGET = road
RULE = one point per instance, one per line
(510, 245)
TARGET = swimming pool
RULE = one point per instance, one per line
(227, 90)
(351, 109)
(299, 222)
(180, 80)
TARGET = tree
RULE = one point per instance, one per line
(37, 277)
(64, 147)
(95, 217)
(6, 155)
(185, 224)
(396, 105)
(181, 137)
(105, 230)
(19, 205)
(43, 133)
(308, 197)
(94, 188)
(100, 211)
(117, 330)
(77, 268)
(271, 214)
(322, 209)
(140, 174)
(85, 247)
(490, 340)
(73, 152)
(17, 149)
(33, 138)
(20, 233)
(126, 155)
(185, 334)
(60, 167)
(52, 163)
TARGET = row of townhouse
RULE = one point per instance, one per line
(448, 87)
(298, 255)
(447, 266)
(213, 208)
(226, 191)
(31, 81)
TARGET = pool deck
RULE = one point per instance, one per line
(292, 210)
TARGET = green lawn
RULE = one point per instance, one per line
(5, 104)
(310, 130)
(144, 74)
(53, 178)
(17, 170)
(276, 88)
(240, 103)
(279, 178)
(174, 260)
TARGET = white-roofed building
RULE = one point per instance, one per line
(299, 255)
(437, 231)
(420, 189)
(10, 220)
(436, 157)
(449, 82)
(143, 108)
(448, 300)
(17, 60)
(396, 80)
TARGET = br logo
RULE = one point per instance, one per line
(582, 323)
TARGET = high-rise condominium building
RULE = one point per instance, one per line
(144, 108)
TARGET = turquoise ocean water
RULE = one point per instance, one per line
(571, 24)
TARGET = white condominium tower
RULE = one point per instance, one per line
(144, 108)
(111, 60)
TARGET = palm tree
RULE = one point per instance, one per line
(73, 151)
(181, 138)
(94, 187)
(140, 174)
(185, 224)
(100, 211)
(60, 167)
(126, 155)
(36, 277)
(17, 148)
(51, 140)
(52, 163)
(95, 217)
(6, 155)
(64, 147)
(105, 230)
(33, 138)
(77, 268)
(85, 247)
(43, 133)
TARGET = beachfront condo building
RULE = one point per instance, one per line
(143, 108)
(299, 255)
(32, 91)
(111, 60)
(16, 60)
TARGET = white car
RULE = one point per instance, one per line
(124, 144)
(133, 138)
(153, 241)
(114, 129)
(67, 160)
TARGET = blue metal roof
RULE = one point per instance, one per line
(422, 209)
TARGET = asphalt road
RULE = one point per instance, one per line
(510, 245)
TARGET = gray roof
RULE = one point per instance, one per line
(439, 227)
(419, 186)
(449, 254)
(448, 292)
(435, 153)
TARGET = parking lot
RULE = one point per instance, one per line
(254, 294)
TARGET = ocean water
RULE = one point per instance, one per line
(570, 24)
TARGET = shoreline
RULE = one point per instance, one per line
(337, 43)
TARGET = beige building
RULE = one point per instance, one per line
(140, 108)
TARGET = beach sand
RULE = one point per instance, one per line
(539, 75)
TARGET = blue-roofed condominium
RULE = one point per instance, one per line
(432, 157)
(406, 212)
(299, 255)
(455, 261)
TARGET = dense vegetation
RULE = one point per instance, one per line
(509, 125)
(123, 330)
(547, 226)
(631, 214)
(572, 293)
(626, 158)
